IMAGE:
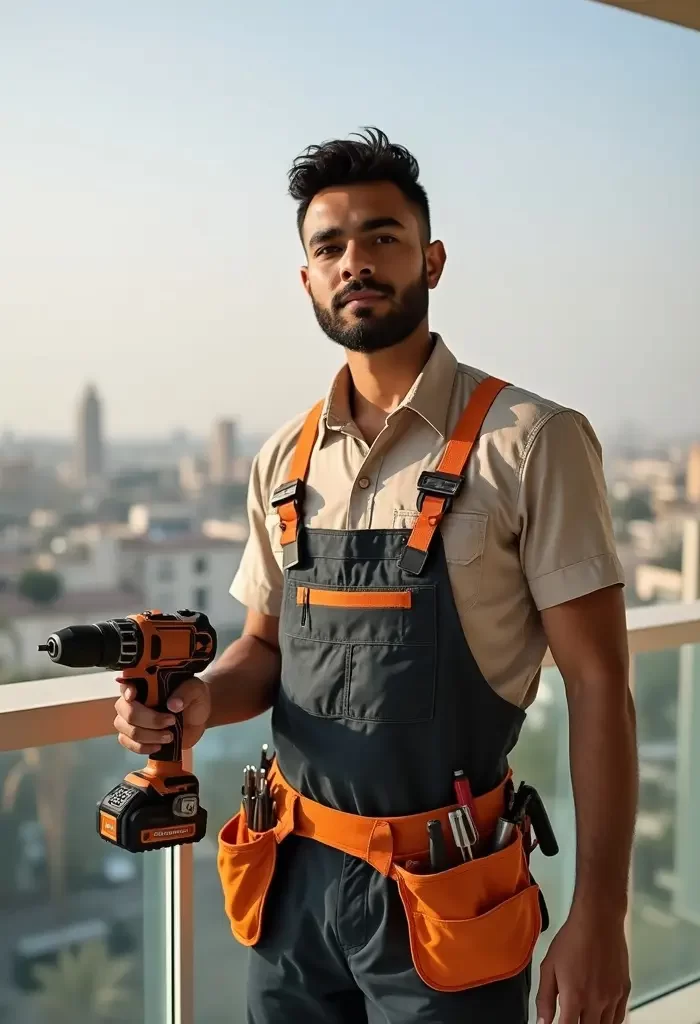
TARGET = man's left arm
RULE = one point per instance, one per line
(568, 554)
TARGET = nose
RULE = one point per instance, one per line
(356, 263)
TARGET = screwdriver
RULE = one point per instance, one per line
(463, 835)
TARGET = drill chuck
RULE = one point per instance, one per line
(98, 645)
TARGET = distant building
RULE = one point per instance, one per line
(89, 454)
(192, 470)
(222, 452)
(16, 474)
(692, 485)
(186, 572)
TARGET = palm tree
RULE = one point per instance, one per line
(86, 984)
(50, 769)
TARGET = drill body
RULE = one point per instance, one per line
(157, 806)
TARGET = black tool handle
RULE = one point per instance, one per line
(542, 826)
(438, 848)
(168, 680)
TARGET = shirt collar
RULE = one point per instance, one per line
(429, 395)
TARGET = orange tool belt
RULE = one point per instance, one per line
(472, 924)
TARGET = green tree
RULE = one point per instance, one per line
(39, 586)
(635, 506)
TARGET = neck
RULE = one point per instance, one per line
(381, 380)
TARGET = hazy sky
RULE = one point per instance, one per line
(147, 242)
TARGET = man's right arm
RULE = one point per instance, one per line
(243, 681)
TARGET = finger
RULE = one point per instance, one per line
(137, 748)
(149, 737)
(594, 1016)
(145, 718)
(546, 994)
(620, 1011)
(128, 692)
(570, 1012)
(192, 695)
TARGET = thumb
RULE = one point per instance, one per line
(191, 696)
(546, 1001)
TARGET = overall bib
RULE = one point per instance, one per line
(380, 701)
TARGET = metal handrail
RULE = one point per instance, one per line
(70, 708)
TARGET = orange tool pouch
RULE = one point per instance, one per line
(472, 924)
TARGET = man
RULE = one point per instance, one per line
(397, 644)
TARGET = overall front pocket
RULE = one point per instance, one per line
(246, 864)
(362, 654)
(472, 924)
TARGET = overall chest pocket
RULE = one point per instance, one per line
(361, 654)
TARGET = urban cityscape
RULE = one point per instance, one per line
(94, 527)
(89, 529)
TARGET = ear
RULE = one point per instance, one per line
(304, 271)
(435, 259)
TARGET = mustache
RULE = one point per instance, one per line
(367, 284)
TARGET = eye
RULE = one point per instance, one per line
(385, 239)
(327, 250)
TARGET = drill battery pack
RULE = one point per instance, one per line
(152, 809)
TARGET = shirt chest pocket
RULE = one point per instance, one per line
(464, 540)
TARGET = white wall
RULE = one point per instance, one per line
(180, 590)
(100, 571)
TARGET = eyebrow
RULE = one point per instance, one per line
(330, 234)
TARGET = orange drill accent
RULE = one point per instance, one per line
(108, 826)
(166, 645)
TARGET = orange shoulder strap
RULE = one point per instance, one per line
(288, 497)
(438, 488)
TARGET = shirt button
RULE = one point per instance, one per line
(363, 482)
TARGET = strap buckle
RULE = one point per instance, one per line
(291, 491)
(439, 485)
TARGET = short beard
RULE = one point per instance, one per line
(370, 333)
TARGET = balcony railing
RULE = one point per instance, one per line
(147, 934)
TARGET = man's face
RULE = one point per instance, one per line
(370, 267)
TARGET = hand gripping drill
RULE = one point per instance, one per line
(157, 806)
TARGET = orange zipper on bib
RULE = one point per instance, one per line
(369, 599)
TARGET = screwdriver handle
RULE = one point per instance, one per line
(438, 848)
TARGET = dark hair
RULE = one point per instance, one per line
(344, 162)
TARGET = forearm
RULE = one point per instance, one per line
(243, 681)
(603, 753)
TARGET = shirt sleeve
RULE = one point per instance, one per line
(567, 544)
(258, 581)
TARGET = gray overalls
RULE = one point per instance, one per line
(380, 701)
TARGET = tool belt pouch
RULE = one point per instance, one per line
(246, 864)
(475, 923)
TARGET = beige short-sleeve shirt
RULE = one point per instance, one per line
(530, 529)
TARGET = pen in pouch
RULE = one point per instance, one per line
(438, 848)
(261, 801)
(463, 792)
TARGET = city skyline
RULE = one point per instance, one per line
(152, 245)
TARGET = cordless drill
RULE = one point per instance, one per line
(157, 806)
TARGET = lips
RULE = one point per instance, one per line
(363, 296)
